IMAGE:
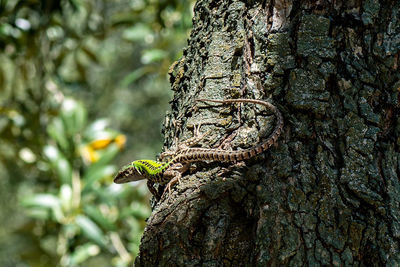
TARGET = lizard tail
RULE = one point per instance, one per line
(198, 154)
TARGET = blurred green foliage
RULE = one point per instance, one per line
(83, 208)
(79, 81)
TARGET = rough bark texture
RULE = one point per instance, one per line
(328, 193)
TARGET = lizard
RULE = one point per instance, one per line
(170, 172)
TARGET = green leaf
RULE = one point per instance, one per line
(153, 55)
(133, 76)
(74, 116)
(66, 197)
(91, 230)
(38, 213)
(80, 116)
(76, 4)
(82, 253)
(59, 164)
(41, 200)
(107, 156)
(96, 173)
(89, 53)
(95, 127)
(56, 130)
(45, 201)
(136, 210)
(52, 153)
(100, 169)
(64, 171)
(95, 213)
(137, 33)
(5, 31)
(135, 228)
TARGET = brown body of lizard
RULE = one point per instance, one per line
(170, 172)
(211, 154)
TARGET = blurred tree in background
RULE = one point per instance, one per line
(79, 81)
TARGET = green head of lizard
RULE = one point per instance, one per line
(138, 170)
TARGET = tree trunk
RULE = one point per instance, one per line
(328, 193)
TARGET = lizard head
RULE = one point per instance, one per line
(129, 173)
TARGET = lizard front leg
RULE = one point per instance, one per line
(153, 191)
(174, 173)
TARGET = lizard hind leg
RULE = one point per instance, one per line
(197, 137)
(170, 152)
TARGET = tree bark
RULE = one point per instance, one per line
(328, 193)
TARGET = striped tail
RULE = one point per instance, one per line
(209, 154)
